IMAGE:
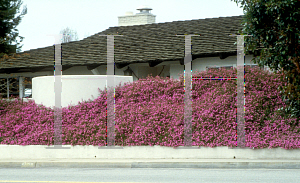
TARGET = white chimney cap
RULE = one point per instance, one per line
(129, 13)
(144, 8)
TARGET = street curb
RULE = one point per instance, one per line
(232, 165)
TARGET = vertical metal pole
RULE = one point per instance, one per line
(240, 93)
(110, 94)
(57, 90)
(240, 134)
(188, 95)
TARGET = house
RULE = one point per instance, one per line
(145, 48)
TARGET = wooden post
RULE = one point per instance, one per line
(21, 88)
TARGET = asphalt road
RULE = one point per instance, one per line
(162, 175)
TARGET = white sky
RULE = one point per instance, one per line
(88, 17)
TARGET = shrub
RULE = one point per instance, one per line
(151, 112)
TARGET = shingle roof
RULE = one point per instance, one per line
(139, 43)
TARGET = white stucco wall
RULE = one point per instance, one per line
(74, 88)
(200, 64)
(175, 69)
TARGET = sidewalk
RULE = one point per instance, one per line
(150, 163)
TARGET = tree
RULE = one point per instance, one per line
(8, 24)
(276, 25)
(68, 35)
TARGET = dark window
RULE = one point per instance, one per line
(14, 86)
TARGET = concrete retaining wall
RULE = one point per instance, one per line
(145, 152)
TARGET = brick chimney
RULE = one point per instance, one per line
(141, 18)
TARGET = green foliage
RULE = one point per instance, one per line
(8, 23)
(275, 25)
